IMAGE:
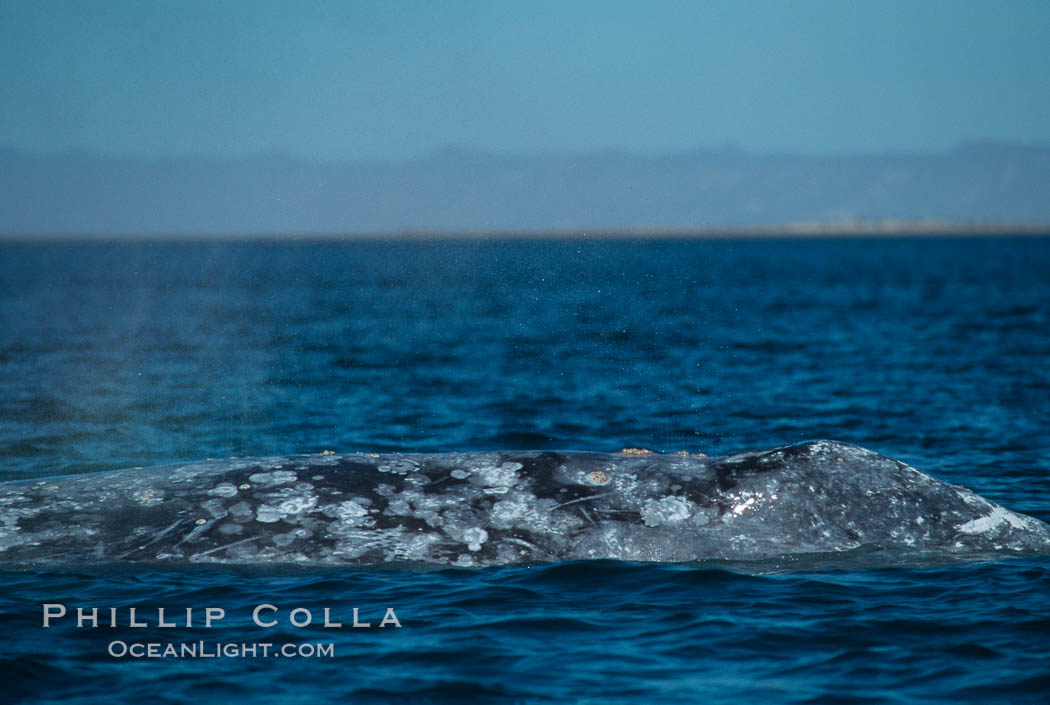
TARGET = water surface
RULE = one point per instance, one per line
(933, 351)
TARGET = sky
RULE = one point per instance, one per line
(394, 80)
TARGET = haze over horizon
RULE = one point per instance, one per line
(469, 190)
(210, 116)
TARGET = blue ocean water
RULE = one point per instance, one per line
(933, 351)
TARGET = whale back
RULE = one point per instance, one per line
(494, 508)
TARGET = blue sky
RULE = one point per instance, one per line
(392, 80)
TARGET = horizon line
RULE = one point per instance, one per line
(887, 228)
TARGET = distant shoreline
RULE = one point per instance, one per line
(785, 230)
(972, 189)
(803, 230)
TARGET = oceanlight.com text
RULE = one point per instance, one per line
(201, 649)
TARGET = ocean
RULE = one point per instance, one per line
(933, 351)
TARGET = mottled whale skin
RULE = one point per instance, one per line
(495, 508)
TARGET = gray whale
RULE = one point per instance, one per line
(494, 508)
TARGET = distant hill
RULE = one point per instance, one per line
(465, 190)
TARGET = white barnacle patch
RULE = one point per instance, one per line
(348, 511)
(991, 521)
(399, 467)
(297, 504)
(270, 479)
(474, 537)
(504, 475)
(668, 510)
(267, 514)
(223, 489)
(149, 497)
(626, 484)
(460, 474)
(701, 519)
(515, 511)
(418, 547)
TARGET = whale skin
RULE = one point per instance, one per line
(498, 508)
